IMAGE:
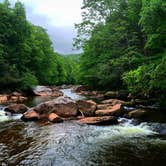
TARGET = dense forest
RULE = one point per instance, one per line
(27, 57)
(124, 46)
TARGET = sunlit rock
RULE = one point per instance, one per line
(104, 120)
(116, 110)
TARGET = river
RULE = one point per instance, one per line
(131, 143)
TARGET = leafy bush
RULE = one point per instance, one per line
(138, 81)
(28, 80)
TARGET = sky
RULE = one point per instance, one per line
(58, 17)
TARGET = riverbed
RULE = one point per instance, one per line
(130, 143)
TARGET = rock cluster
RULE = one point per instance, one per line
(64, 108)
(12, 98)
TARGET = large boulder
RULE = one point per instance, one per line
(116, 110)
(46, 91)
(104, 120)
(61, 106)
(87, 107)
(16, 108)
(138, 113)
(112, 102)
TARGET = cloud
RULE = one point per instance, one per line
(58, 12)
(58, 17)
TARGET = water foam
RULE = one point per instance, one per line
(122, 131)
(7, 116)
(72, 95)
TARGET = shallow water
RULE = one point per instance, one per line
(72, 144)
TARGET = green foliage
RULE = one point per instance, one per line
(148, 80)
(70, 69)
(28, 80)
(138, 80)
(154, 23)
(158, 81)
(124, 45)
(26, 53)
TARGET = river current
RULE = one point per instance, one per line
(130, 143)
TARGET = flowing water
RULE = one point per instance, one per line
(71, 144)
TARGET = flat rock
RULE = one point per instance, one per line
(116, 110)
(104, 120)
(112, 102)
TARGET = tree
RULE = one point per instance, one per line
(26, 53)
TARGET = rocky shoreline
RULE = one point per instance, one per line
(98, 109)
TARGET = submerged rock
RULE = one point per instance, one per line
(139, 113)
(116, 110)
(17, 108)
(87, 107)
(104, 120)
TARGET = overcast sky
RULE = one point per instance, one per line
(58, 17)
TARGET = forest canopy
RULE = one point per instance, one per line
(27, 57)
(124, 45)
